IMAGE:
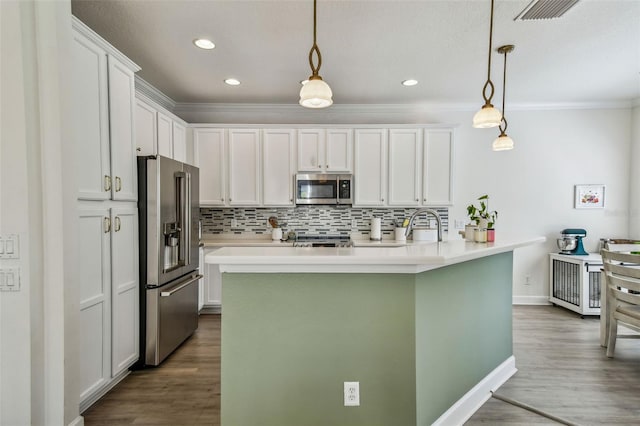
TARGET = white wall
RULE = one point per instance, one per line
(38, 325)
(532, 187)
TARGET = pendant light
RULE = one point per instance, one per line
(315, 93)
(503, 142)
(488, 116)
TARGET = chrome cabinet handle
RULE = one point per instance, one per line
(107, 183)
(106, 225)
(138, 149)
(118, 184)
(118, 224)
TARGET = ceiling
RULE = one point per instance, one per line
(589, 55)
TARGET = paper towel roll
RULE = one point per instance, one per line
(375, 229)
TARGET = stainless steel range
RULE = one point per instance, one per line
(322, 241)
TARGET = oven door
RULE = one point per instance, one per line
(316, 189)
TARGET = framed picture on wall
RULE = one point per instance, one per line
(589, 197)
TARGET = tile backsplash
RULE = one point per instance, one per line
(311, 220)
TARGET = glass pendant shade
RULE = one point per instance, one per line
(316, 94)
(487, 117)
(502, 143)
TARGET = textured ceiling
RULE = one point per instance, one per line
(591, 54)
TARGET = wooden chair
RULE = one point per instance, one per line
(622, 285)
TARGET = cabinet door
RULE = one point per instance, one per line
(165, 135)
(278, 167)
(212, 284)
(146, 129)
(339, 150)
(94, 276)
(244, 167)
(370, 167)
(209, 152)
(122, 136)
(438, 167)
(179, 142)
(311, 150)
(90, 106)
(124, 288)
(405, 167)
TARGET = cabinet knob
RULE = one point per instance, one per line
(319, 166)
(382, 199)
(138, 149)
(424, 199)
(417, 199)
(222, 199)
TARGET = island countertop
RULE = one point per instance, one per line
(410, 258)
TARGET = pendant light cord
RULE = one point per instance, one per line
(504, 91)
(314, 48)
(489, 83)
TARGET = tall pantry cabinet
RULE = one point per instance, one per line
(103, 102)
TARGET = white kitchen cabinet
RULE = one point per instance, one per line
(212, 285)
(165, 135)
(103, 106)
(437, 187)
(179, 142)
(124, 288)
(109, 294)
(278, 167)
(370, 176)
(209, 146)
(325, 150)
(339, 150)
(94, 275)
(146, 129)
(244, 167)
(405, 167)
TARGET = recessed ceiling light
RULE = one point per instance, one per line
(232, 82)
(203, 43)
(410, 82)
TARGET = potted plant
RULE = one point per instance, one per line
(483, 217)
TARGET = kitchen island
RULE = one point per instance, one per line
(424, 328)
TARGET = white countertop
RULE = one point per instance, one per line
(409, 258)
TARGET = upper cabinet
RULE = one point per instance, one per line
(103, 108)
(209, 151)
(325, 150)
(370, 178)
(437, 186)
(158, 132)
(244, 167)
(398, 166)
(278, 166)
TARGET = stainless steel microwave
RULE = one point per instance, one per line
(324, 189)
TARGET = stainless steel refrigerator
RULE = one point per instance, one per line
(168, 204)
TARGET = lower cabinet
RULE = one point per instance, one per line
(109, 297)
(212, 285)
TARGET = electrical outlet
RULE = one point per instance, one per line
(354, 223)
(459, 224)
(351, 394)
(234, 223)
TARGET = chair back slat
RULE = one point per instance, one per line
(633, 299)
(623, 282)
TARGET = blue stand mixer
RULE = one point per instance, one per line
(571, 242)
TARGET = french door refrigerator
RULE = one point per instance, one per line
(168, 204)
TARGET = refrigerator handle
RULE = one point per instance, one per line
(187, 219)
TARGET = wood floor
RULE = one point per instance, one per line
(561, 370)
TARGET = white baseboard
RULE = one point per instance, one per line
(470, 402)
(531, 300)
(78, 421)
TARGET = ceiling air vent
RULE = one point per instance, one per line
(545, 9)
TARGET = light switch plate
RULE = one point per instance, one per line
(10, 279)
(9, 246)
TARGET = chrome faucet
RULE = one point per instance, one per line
(428, 212)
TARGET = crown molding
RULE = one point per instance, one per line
(151, 92)
(340, 109)
(83, 29)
